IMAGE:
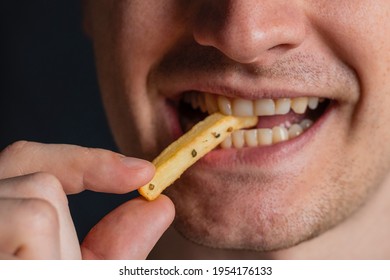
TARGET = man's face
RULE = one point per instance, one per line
(156, 57)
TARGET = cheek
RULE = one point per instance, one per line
(144, 30)
(129, 38)
(358, 32)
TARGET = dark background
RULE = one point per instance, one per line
(48, 88)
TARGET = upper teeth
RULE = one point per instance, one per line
(242, 107)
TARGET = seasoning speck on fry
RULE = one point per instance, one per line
(194, 153)
(216, 135)
(151, 187)
(230, 129)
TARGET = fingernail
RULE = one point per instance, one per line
(136, 163)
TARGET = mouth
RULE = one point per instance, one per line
(280, 120)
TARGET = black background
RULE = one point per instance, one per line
(48, 88)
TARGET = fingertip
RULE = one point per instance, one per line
(130, 231)
(162, 205)
(167, 207)
(164, 209)
(140, 171)
(136, 163)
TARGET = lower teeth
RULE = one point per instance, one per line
(265, 136)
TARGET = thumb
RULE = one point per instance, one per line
(130, 231)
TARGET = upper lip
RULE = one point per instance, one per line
(250, 93)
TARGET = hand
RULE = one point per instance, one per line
(35, 221)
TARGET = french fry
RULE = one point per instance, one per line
(189, 148)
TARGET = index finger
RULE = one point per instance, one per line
(77, 168)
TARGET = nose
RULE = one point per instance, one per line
(250, 30)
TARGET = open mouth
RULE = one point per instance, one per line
(280, 119)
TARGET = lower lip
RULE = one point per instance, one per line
(265, 155)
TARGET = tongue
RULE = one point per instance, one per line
(271, 121)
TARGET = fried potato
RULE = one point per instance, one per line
(189, 148)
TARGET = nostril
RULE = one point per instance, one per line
(281, 47)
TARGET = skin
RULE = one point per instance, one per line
(298, 197)
(319, 196)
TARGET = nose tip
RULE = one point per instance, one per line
(248, 31)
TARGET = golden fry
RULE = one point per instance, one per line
(189, 148)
